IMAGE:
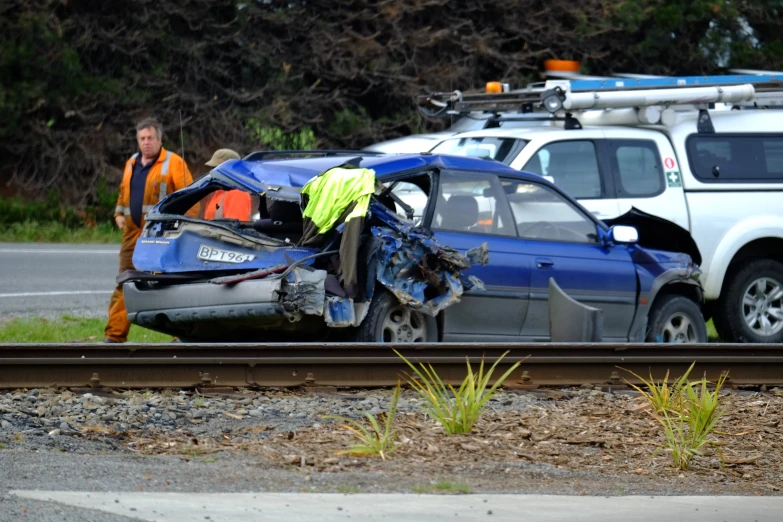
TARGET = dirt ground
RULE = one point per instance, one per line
(595, 443)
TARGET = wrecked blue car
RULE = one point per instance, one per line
(440, 248)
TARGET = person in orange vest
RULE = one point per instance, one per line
(227, 204)
(149, 176)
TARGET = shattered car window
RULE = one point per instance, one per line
(218, 199)
(408, 197)
(413, 196)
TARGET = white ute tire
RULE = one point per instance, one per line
(750, 309)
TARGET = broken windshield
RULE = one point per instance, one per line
(219, 199)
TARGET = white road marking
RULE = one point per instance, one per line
(334, 507)
(33, 251)
(46, 294)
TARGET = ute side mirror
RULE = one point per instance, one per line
(623, 234)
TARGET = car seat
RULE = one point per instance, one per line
(459, 213)
(284, 221)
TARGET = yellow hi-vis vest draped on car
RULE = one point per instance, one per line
(332, 192)
(338, 195)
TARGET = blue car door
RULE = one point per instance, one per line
(470, 210)
(562, 241)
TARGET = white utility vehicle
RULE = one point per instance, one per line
(698, 152)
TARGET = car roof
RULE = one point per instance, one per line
(297, 172)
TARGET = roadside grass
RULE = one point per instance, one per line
(208, 460)
(54, 232)
(712, 333)
(68, 329)
(348, 489)
(443, 486)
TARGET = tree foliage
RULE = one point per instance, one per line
(75, 75)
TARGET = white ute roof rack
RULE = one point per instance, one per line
(627, 100)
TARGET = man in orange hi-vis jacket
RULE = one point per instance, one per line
(149, 176)
(227, 204)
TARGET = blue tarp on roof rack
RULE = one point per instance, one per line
(611, 84)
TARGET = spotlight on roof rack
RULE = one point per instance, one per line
(496, 87)
(553, 99)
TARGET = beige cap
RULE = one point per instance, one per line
(220, 156)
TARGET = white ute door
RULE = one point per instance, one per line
(646, 174)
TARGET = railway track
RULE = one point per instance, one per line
(315, 365)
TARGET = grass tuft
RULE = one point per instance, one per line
(457, 410)
(443, 486)
(379, 439)
(688, 412)
(688, 430)
(348, 489)
(661, 396)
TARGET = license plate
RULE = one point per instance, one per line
(224, 256)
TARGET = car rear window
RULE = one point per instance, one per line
(736, 158)
(487, 147)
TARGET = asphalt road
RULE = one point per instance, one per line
(49, 280)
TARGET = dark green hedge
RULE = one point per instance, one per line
(75, 76)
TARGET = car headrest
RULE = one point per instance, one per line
(283, 210)
(460, 212)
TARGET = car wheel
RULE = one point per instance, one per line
(750, 309)
(388, 321)
(676, 319)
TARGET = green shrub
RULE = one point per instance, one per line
(457, 410)
(274, 138)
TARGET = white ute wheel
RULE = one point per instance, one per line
(388, 321)
(750, 310)
(676, 319)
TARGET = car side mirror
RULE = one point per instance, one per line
(623, 234)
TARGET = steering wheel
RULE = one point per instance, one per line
(540, 230)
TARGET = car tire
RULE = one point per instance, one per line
(676, 319)
(757, 285)
(388, 321)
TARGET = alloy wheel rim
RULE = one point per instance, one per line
(402, 325)
(679, 329)
(762, 306)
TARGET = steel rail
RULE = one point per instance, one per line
(371, 364)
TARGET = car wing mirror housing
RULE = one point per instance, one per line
(623, 234)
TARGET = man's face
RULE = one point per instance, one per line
(149, 143)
